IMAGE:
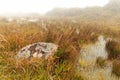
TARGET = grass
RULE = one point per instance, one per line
(62, 66)
(116, 67)
(113, 48)
(100, 62)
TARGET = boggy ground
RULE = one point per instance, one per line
(68, 35)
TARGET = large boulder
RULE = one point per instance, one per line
(39, 50)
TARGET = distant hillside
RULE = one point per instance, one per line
(110, 13)
(113, 6)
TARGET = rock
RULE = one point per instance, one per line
(39, 50)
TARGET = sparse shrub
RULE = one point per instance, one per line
(113, 49)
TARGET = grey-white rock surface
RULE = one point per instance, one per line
(39, 50)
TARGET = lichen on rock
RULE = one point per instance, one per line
(39, 50)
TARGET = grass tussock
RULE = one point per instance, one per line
(116, 67)
(113, 48)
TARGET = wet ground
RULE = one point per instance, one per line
(87, 62)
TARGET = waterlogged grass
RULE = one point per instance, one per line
(100, 62)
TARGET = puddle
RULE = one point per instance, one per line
(87, 62)
(91, 52)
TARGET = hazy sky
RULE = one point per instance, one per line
(42, 6)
